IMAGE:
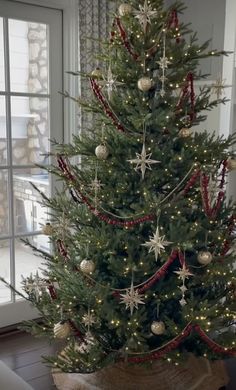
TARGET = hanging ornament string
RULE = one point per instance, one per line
(173, 23)
(163, 63)
(188, 93)
(104, 103)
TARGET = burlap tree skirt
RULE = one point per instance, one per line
(195, 374)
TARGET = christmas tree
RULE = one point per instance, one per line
(142, 234)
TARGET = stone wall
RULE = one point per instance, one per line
(38, 131)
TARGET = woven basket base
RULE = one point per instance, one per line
(195, 374)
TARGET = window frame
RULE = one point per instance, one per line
(70, 18)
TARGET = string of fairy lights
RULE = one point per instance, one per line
(92, 195)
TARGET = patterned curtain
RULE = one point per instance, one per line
(95, 19)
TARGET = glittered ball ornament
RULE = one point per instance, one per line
(144, 84)
(101, 152)
(97, 73)
(158, 327)
(62, 330)
(185, 132)
(125, 9)
(87, 266)
(231, 164)
(204, 257)
(47, 229)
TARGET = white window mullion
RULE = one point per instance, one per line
(9, 154)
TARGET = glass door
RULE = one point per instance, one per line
(31, 112)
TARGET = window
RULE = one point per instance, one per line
(31, 112)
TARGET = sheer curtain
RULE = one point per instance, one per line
(95, 19)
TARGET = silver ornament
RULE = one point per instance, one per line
(101, 152)
(204, 257)
(87, 266)
(144, 84)
(158, 327)
(62, 330)
(125, 9)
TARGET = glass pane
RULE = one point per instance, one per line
(28, 56)
(4, 209)
(26, 260)
(30, 130)
(5, 293)
(2, 73)
(29, 214)
(3, 134)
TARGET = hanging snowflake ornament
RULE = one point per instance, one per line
(110, 83)
(163, 62)
(145, 14)
(156, 244)
(35, 285)
(219, 86)
(89, 319)
(132, 299)
(143, 161)
(184, 274)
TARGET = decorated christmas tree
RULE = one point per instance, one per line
(142, 235)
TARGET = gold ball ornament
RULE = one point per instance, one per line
(47, 229)
(185, 132)
(87, 266)
(144, 84)
(204, 257)
(125, 9)
(101, 152)
(62, 330)
(158, 327)
(97, 73)
(231, 164)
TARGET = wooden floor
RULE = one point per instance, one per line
(22, 353)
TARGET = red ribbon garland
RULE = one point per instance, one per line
(227, 242)
(52, 292)
(62, 250)
(108, 220)
(161, 272)
(124, 39)
(77, 332)
(191, 182)
(211, 212)
(97, 92)
(174, 23)
(178, 340)
(188, 93)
